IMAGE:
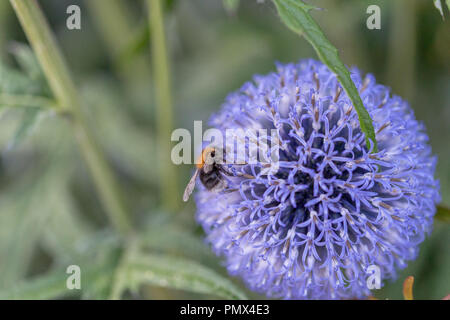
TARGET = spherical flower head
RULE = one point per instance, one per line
(333, 211)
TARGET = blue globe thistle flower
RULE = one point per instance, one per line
(312, 228)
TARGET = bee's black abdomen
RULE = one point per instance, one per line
(210, 179)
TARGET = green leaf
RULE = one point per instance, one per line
(28, 225)
(94, 279)
(295, 14)
(231, 5)
(30, 68)
(68, 235)
(29, 120)
(16, 82)
(24, 87)
(443, 213)
(27, 60)
(177, 240)
(99, 287)
(45, 287)
(25, 101)
(164, 234)
(115, 129)
(97, 283)
(175, 273)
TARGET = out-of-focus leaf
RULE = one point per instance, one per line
(295, 14)
(100, 277)
(170, 5)
(54, 284)
(25, 101)
(99, 286)
(66, 230)
(15, 82)
(443, 213)
(29, 79)
(26, 209)
(175, 273)
(231, 5)
(26, 59)
(177, 240)
(26, 89)
(137, 43)
(25, 229)
(194, 100)
(438, 5)
(120, 280)
(49, 286)
(116, 131)
(30, 118)
(162, 234)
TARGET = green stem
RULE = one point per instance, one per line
(163, 102)
(57, 73)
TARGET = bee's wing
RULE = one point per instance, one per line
(190, 186)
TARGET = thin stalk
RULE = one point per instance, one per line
(57, 73)
(163, 103)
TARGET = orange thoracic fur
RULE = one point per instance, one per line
(202, 158)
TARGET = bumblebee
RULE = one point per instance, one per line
(210, 172)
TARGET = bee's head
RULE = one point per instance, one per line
(207, 157)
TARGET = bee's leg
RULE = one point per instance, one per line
(225, 171)
(220, 186)
(238, 174)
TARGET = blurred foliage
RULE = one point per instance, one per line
(439, 4)
(50, 216)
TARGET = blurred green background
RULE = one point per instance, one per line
(50, 215)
